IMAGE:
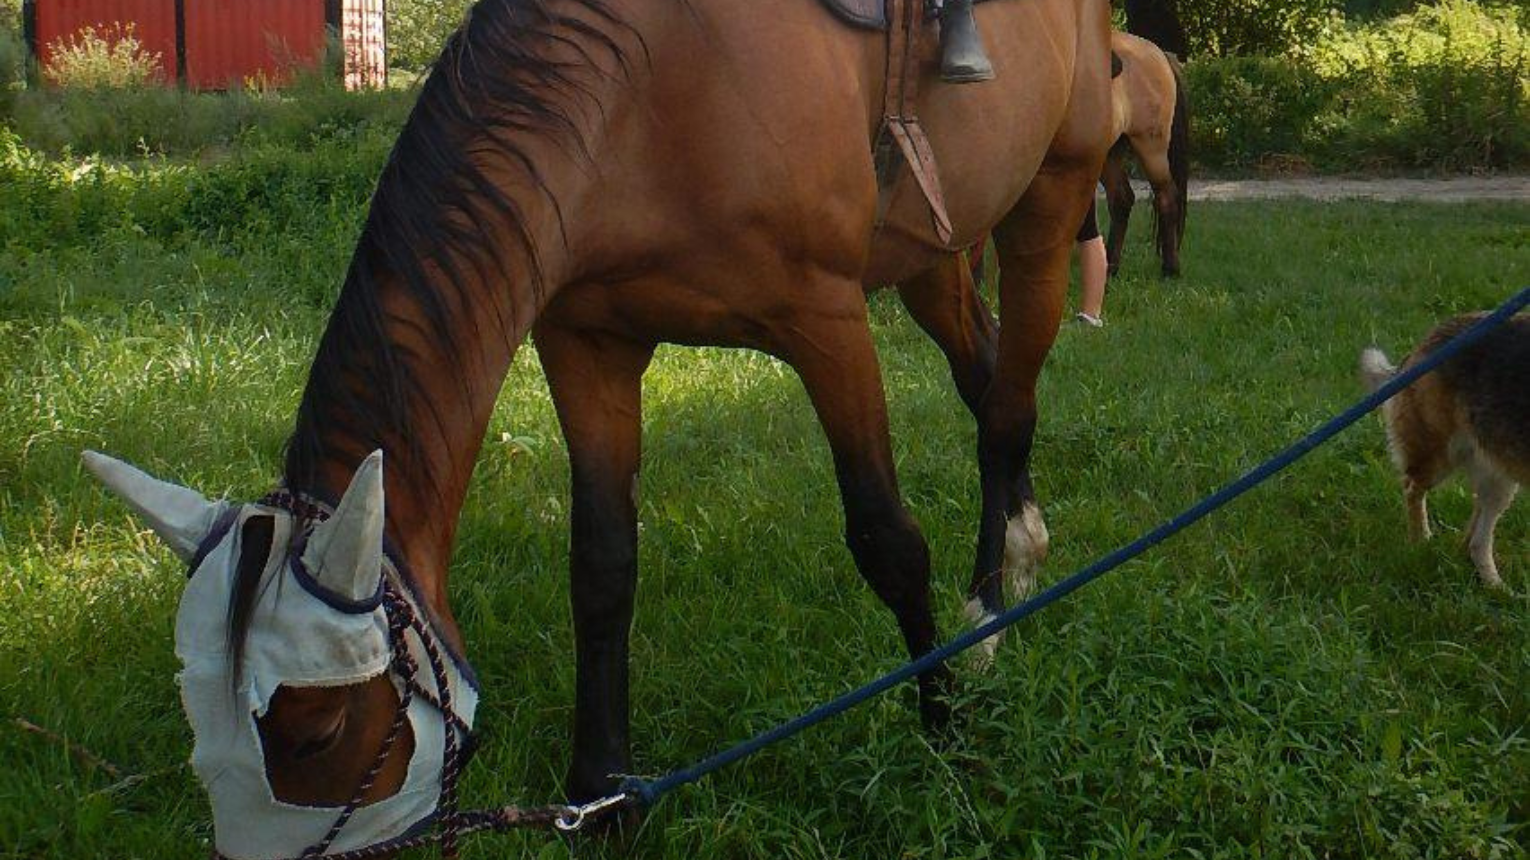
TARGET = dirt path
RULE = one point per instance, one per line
(1453, 190)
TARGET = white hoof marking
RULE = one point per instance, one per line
(983, 654)
(1025, 548)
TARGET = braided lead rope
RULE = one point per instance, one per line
(450, 762)
(650, 791)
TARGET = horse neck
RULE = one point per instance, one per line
(465, 243)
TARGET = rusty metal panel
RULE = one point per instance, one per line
(153, 23)
(363, 32)
(229, 42)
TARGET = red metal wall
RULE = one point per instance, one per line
(153, 24)
(231, 41)
(228, 42)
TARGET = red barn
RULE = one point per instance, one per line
(219, 44)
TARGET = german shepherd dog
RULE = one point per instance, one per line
(1473, 414)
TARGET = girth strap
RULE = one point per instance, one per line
(901, 134)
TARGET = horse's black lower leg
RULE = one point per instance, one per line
(596, 384)
(1166, 203)
(893, 558)
(1120, 198)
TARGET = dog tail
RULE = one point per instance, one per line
(1375, 369)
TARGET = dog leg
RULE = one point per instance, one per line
(1418, 509)
(1492, 492)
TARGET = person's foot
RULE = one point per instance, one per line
(1089, 320)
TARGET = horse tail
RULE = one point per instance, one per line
(1179, 152)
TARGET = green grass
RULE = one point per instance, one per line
(1289, 679)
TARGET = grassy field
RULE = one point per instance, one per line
(1290, 679)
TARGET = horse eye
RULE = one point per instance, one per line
(322, 743)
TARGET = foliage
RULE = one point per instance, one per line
(260, 191)
(167, 121)
(1222, 28)
(417, 29)
(1291, 679)
(1246, 108)
(13, 57)
(1446, 87)
(110, 58)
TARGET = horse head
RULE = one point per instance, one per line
(298, 661)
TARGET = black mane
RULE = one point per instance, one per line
(493, 87)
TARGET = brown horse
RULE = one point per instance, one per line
(1151, 121)
(606, 175)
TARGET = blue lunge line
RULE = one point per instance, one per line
(650, 791)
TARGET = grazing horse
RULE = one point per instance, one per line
(1152, 121)
(604, 176)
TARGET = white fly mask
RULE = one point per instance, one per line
(319, 620)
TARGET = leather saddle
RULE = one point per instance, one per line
(865, 14)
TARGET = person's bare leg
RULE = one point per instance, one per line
(1092, 270)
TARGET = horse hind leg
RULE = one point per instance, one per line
(596, 382)
(1166, 209)
(1120, 197)
(832, 351)
(944, 301)
(1033, 245)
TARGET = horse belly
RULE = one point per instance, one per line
(989, 139)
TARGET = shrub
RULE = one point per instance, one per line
(166, 121)
(1250, 109)
(1222, 28)
(111, 58)
(417, 29)
(1446, 87)
(238, 202)
(13, 55)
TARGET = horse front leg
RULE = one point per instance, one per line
(596, 385)
(831, 349)
(1032, 243)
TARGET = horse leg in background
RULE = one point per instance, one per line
(975, 267)
(831, 349)
(1032, 243)
(1120, 198)
(1166, 203)
(596, 385)
(944, 301)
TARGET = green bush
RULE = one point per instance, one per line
(1224, 28)
(239, 202)
(417, 29)
(1446, 87)
(111, 58)
(1248, 109)
(171, 122)
(13, 56)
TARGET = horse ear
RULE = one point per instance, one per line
(345, 551)
(180, 516)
